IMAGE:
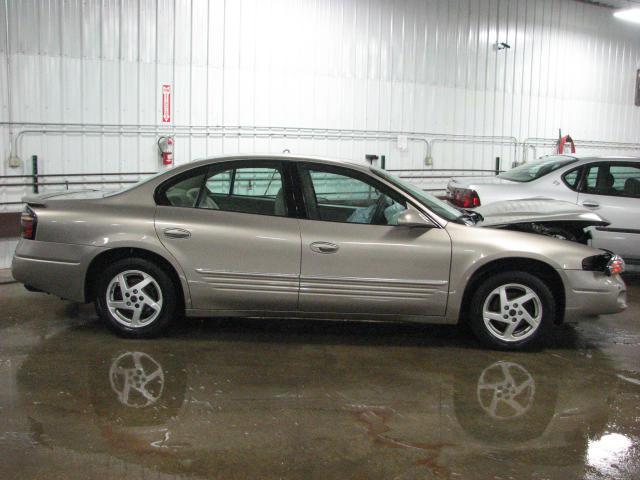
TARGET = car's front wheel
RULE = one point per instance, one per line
(136, 298)
(512, 311)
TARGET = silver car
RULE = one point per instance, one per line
(286, 236)
(608, 186)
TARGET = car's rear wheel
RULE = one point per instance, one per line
(136, 298)
(512, 311)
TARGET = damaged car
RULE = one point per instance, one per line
(300, 237)
(608, 186)
(542, 216)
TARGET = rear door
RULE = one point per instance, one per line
(233, 229)
(355, 259)
(613, 190)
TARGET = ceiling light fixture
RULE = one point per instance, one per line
(628, 14)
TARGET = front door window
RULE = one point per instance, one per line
(336, 195)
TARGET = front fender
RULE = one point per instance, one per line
(474, 248)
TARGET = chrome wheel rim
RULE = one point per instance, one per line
(134, 298)
(512, 312)
(137, 379)
(506, 390)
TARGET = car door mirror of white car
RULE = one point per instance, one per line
(413, 219)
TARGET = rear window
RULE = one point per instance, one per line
(534, 170)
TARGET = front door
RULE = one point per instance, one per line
(356, 260)
(228, 225)
(613, 190)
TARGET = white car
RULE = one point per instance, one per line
(609, 186)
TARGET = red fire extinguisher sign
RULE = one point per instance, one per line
(166, 103)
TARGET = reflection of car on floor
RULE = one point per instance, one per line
(208, 409)
(608, 186)
(285, 236)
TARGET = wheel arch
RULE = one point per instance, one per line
(542, 270)
(107, 257)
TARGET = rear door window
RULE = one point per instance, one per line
(182, 191)
(626, 180)
(220, 183)
(613, 179)
(245, 189)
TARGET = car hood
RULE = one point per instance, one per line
(529, 210)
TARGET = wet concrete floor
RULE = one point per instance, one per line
(299, 399)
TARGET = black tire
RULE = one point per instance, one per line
(536, 336)
(168, 290)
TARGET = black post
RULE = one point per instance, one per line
(34, 169)
(497, 165)
(383, 162)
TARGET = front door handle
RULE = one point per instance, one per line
(324, 247)
(176, 233)
(590, 204)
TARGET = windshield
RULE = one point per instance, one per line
(434, 204)
(539, 168)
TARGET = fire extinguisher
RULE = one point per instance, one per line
(165, 146)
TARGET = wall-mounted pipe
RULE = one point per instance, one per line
(251, 132)
(428, 138)
(244, 131)
(475, 139)
(7, 37)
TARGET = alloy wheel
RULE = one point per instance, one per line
(134, 298)
(512, 312)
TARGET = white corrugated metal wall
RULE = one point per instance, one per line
(413, 66)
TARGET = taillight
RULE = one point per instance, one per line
(465, 198)
(28, 223)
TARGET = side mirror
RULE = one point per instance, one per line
(413, 219)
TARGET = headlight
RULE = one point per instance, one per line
(615, 265)
(607, 263)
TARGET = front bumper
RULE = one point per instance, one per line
(593, 293)
(56, 268)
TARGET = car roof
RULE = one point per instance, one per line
(616, 158)
(593, 158)
(273, 156)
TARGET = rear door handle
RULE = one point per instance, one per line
(324, 247)
(176, 233)
(590, 204)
